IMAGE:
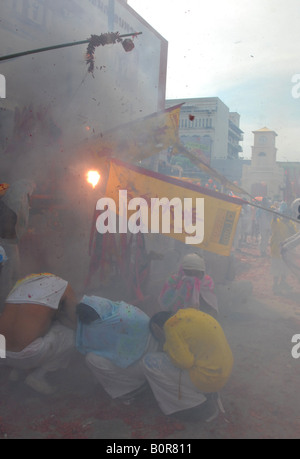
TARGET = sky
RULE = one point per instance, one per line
(246, 52)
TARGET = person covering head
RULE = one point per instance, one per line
(195, 341)
(190, 287)
(38, 322)
(197, 360)
(117, 331)
(114, 337)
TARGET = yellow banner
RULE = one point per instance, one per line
(147, 136)
(188, 212)
(139, 139)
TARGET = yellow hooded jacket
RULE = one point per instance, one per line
(195, 341)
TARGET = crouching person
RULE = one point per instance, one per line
(39, 323)
(114, 336)
(196, 363)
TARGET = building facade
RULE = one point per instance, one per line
(208, 128)
(54, 108)
(122, 88)
(264, 176)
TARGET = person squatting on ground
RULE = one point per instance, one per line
(195, 364)
(114, 337)
(190, 287)
(38, 323)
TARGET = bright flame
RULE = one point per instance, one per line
(93, 178)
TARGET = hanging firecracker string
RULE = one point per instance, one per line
(106, 39)
(103, 39)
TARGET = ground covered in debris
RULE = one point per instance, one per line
(261, 400)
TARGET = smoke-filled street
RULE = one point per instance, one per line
(149, 221)
(258, 400)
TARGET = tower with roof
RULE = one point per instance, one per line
(264, 177)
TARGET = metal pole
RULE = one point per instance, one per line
(63, 45)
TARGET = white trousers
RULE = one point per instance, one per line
(171, 386)
(118, 381)
(49, 353)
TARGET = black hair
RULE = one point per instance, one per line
(160, 318)
(86, 314)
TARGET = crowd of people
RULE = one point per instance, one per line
(180, 352)
(268, 230)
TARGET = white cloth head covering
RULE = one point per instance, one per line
(45, 289)
(193, 261)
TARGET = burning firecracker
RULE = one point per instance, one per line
(93, 178)
(104, 39)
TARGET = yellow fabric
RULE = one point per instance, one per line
(195, 341)
(139, 139)
(221, 214)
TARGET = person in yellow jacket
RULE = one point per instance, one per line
(196, 363)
